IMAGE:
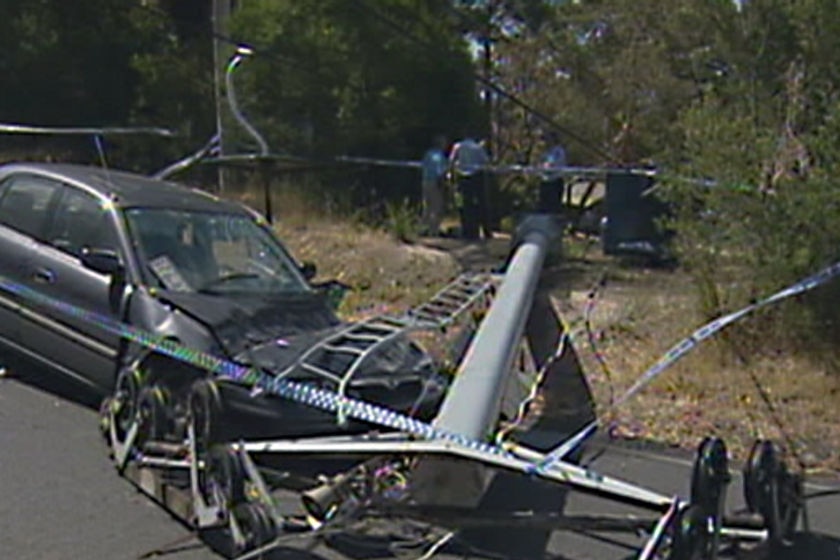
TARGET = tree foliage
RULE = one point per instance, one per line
(329, 76)
(746, 95)
(338, 77)
(101, 63)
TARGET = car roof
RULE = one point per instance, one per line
(128, 189)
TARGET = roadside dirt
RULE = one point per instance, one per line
(636, 315)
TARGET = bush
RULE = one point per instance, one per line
(401, 221)
(747, 236)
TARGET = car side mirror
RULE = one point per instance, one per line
(309, 270)
(104, 261)
(333, 291)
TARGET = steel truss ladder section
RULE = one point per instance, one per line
(359, 341)
(356, 342)
(453, 300)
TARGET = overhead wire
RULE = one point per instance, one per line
(534, 389)
(776, 418)
(437, 545)
(408, 34)
(591, 300)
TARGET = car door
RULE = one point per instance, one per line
(25, 204)
(81, 220)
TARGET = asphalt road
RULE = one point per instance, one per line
(60, 498)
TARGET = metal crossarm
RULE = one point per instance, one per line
(580, 478)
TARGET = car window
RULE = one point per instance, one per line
(26, 203)
(80, 221)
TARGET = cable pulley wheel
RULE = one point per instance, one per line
(761, 474)
(772, 491)
(790, 499)
(223, 471)
(690, 539)
(256, 525)
(205, 410)
(153, 405)
(710, 475)
(126, 397)
(754, 474)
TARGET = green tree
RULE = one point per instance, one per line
(175, 80)
(616, 73)
(101, 63)
(766, 131)
(335, 77)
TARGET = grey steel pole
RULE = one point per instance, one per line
(242, 52)
(472, 404)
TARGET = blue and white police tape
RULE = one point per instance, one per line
(404, 163)
(683, 347)
(519, 169)
(499, 169)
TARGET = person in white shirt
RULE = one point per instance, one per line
(433, 171)
(552, 185)
(467, 163)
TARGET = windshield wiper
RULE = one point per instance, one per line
(216, 282)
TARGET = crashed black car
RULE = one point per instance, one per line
(180, 263)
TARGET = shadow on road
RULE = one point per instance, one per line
(810, 545)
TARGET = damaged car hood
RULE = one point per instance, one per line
(244, 320)
(274, 333)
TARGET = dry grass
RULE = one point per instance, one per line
(387, 276)
(708, 392)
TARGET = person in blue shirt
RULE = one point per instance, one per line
(433, 171)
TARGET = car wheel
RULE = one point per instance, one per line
(256, 524)
(224, 472)
(153, 405)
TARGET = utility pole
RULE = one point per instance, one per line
(488, 74)
(220, 17)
